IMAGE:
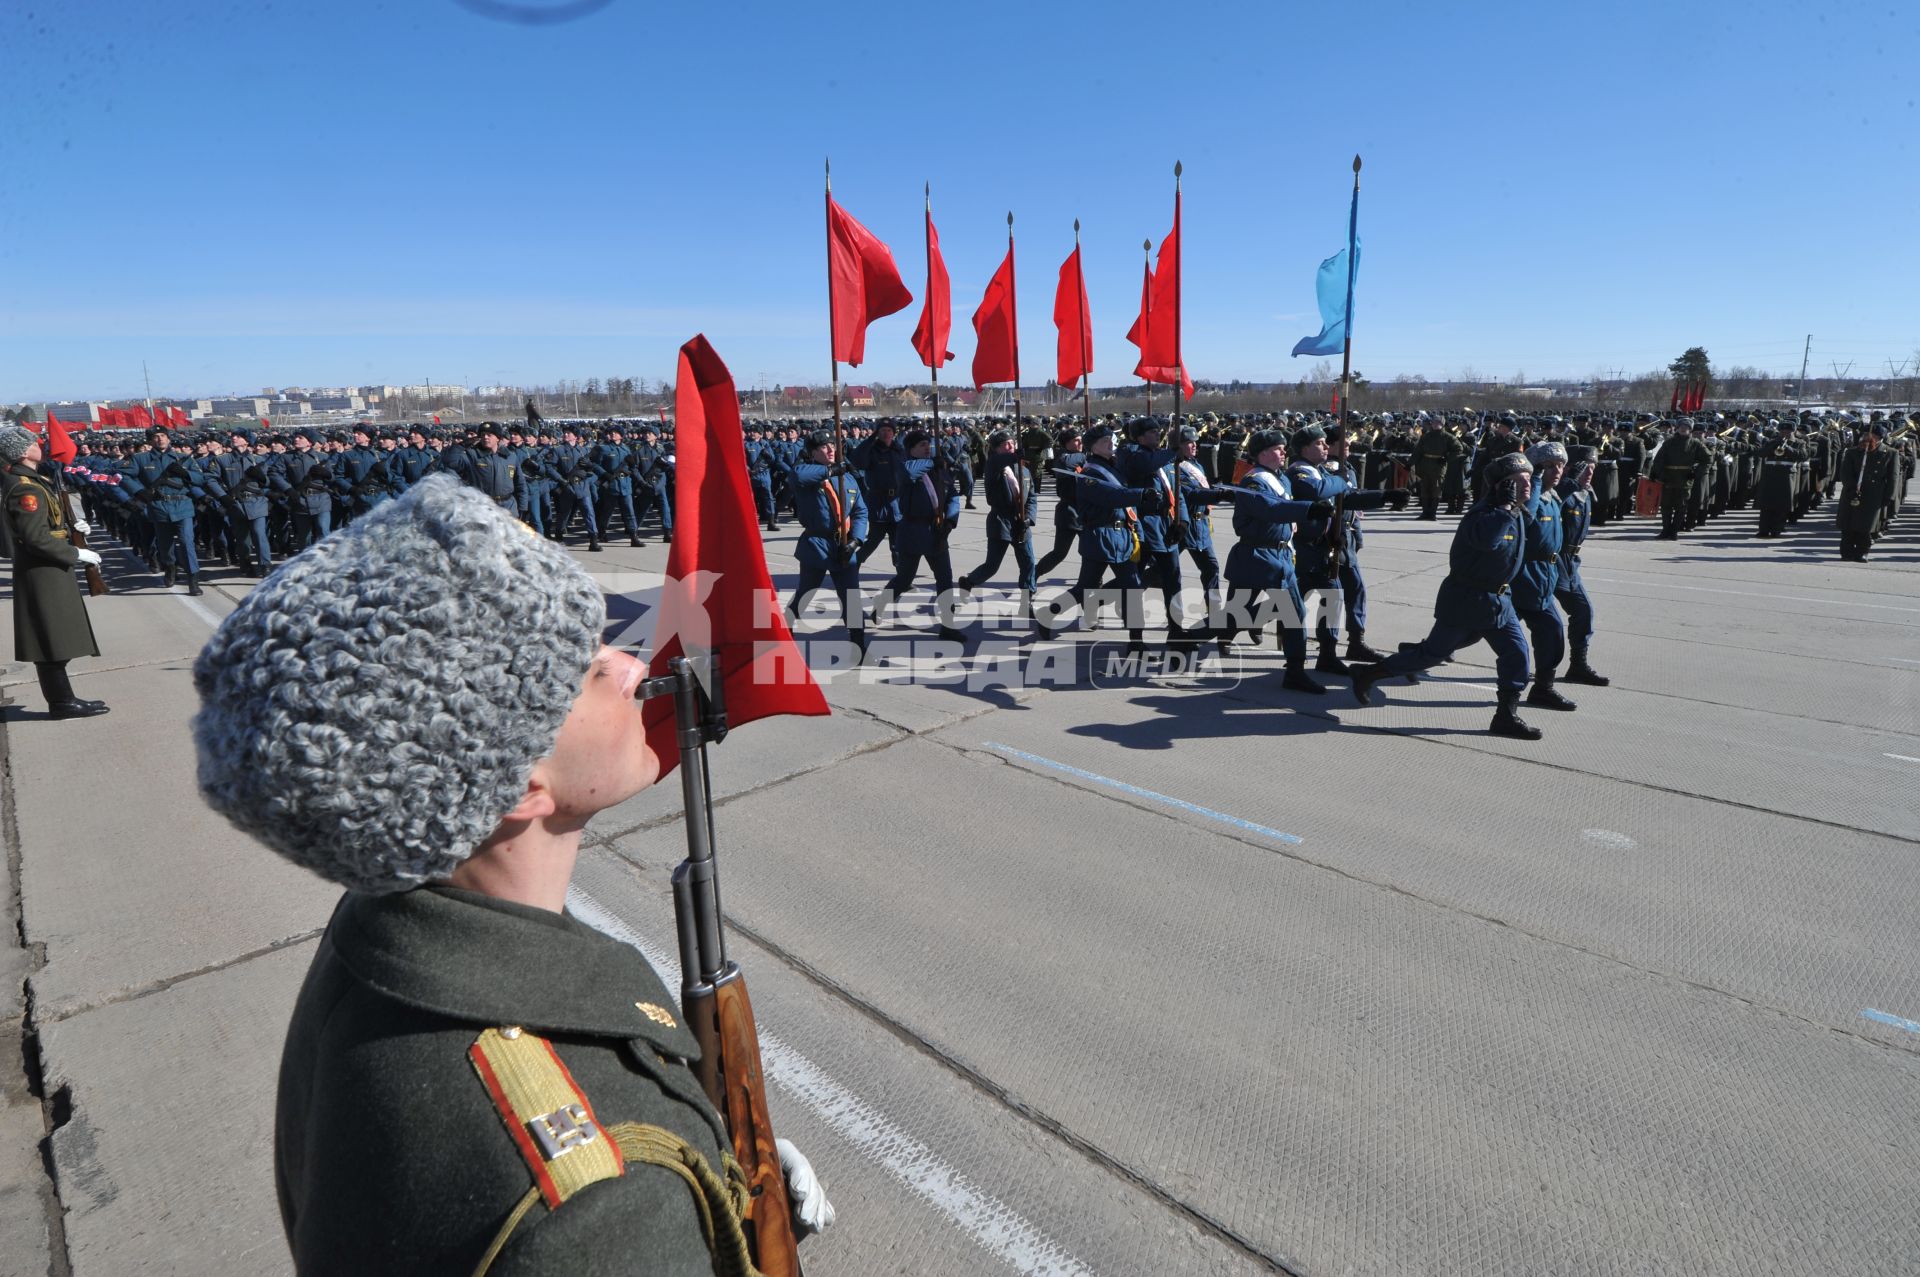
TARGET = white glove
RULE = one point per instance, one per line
(812, 1212)
(84, 528)
(89, 557)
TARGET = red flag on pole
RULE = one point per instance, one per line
(1144, 320)
(178, 416)
(1075, 322)
(60, 445)
(936, 315)
(141, 417)
(1673, 400)
(863, 283)
(996, 353)
(1160, 336)
(718, 597)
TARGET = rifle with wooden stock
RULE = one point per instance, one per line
(713, 992)
(96, 584)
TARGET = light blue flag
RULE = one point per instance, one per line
(1334, 287)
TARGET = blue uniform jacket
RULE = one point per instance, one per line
(1576, 516)
(1159, 527)
(922, 514)
(305, 490)
(173, 490)
(1199, 513)
(882, 474)
(1316, 483)
(815, 509)
(1106, 509)
(613, 458)
(1264, 512)
(1540, 569)
(1003, 506)
(1486, 555)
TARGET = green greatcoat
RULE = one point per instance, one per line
(49, 617)
(390, 1155)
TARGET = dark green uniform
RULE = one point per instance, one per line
(50, 624)
(1674, 466)
(1436, 448)
(394, 1151)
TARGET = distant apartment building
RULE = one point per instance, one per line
(237, 407)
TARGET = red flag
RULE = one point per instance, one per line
(936, 315)
(1160, 348)
(862, 282)
(60, 445)
(1673, 400)
(996, 353)
(178, 416)
(718, 596)
(142, 417)
(1072, 318)
(1141, 322)
(268, 425)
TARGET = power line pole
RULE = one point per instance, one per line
(1800, 388)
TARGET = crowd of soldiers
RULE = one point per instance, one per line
(1135, 497)
(251, 498)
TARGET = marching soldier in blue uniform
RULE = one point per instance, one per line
(1162, 522)
(1195, 480)
(881, 465)
(574, 476)
(1327, 550)
(360, 476)
(493, 473)
(929, 511)
(615, 460)
(1013, 504)
(1539, 578)
(1261, 563)
(1109, 536)
(653, 478)
(168, 486)
(760, 466)
(243, 478)
(833, 521)
(306, 479)
(1577, 505)
(1476, 598)
(1065, 463)
(413, 462)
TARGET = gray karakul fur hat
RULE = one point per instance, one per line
(375, 706)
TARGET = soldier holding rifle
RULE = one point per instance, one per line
(473, 1080)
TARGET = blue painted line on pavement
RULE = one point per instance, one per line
(1138, 792)
(1898, 1022)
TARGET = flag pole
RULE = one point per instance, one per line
(1013, 308)
(934, 367)
(833, 344)
(1179, 367)
(1146, 246)
(1086, 337)
(1346, 358)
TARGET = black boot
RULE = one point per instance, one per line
(1507, 720)
(170, 575)
(1298, 680)
(1544, 697)
(1581, 672)
(1364, 677)
(76, 709)
(1329, 662)
(635, 542)
(193, 585)
(1357, 649)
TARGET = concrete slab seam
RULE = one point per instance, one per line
(992, 1224)
(172, 981)
(1597, 954)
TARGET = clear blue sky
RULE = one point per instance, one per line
(246, 194)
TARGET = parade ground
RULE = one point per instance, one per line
(1130, 975)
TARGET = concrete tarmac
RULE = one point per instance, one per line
(1066, 973)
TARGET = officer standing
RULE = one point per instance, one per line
(833, 522)
(529, 1075)
(1475, 600)
(1432, 453)
(1870, 471)
(1675, 465)
(50, 625)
